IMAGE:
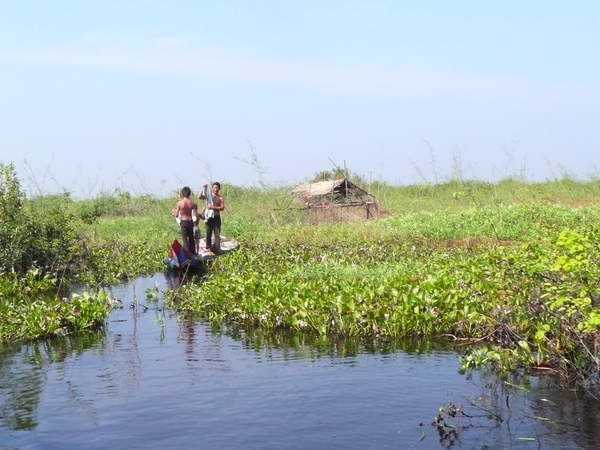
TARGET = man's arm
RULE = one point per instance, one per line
(201, 195)
(221, 205)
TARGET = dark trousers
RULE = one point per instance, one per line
(187, 235)
(213, 225)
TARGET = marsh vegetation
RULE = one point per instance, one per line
(510, 269)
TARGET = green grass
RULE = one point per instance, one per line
(511, 263)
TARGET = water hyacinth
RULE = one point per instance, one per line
(511, 264)
(464, 289)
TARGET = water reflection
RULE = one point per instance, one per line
(20, 393)
(174, 280)
(576, 416)
(153, 379)
(292, 344)
(22, 375)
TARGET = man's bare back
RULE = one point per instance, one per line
(186, 213)
(184, 209)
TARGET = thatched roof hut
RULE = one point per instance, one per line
(336, 200)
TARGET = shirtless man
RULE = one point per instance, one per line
(216, 204)
(187, 211)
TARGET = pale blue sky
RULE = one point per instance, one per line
(150, 95)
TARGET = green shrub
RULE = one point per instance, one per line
(32, 234)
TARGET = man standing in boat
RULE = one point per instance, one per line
(186, 212)
(214, 204)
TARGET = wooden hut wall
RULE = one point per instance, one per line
(341, 213)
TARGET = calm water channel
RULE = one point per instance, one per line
(150, 380)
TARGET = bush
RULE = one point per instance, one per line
(33, 236)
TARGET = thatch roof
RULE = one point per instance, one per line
(336, 200)
(328, 187)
